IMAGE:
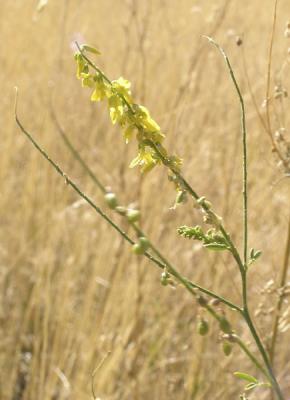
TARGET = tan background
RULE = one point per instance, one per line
(71, 290)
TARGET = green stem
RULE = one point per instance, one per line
(76, 153)
(245, 161)
(263, 353)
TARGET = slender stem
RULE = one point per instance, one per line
(263, 353)
(246, 350)
(282, 283)
(245, 161)
(76, 153)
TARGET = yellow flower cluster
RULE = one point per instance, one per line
(134, 119)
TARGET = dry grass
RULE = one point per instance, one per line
(71, 290)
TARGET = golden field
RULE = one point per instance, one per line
(72, 292)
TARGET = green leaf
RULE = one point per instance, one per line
(246, 377)
(90, 49)
(254, 255)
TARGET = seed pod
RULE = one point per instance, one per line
(137, 249)
(227, 348)
(133, 215)
(202, 301)
(142, 245)
(111, 200)
(225, 326)
(202, 327)
(165, 278)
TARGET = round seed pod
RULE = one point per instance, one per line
(202, 327)
(225, 326)
(164, 278)
(133, 215)
(137, 249)
(111, 200)
(227, 348)
(142, 245)
(202, 301)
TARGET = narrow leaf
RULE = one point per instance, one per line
(90, 49)
(246, 377)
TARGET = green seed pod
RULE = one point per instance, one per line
(111, 200)
(142, 245)
(165, 278)
(202, 301)
(133, 215)
(227, 348)
(202, 327)
(225, 326)
(137, 249)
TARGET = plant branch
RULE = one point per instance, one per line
(184, 281)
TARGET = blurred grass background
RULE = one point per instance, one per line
(71, 289)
